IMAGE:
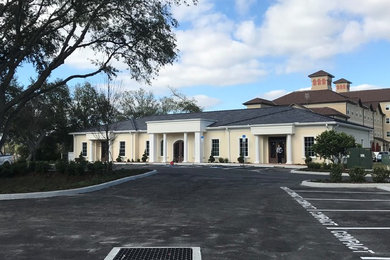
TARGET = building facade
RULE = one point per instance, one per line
(193, 137)
(370, 108)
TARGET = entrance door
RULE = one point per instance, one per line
(104, 154)
(272, 144)
(178, 151)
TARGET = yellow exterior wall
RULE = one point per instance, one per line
(301, 132)
(77, 144)
(341, 107)
(386, 126)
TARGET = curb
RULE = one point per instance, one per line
(71, 192)
(311, 184)
(258, 165)
(319, 173)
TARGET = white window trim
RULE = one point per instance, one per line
(120, 148)
(86, 148)
(219, 146)
(239, 148)
(303, 146)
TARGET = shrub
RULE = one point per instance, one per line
(80, 168)
(128, 160)
(71, 169)
(138, 160)
(211, 159)
(6, 170)
(326, 166)
(357, 174)
(20, 167)
(144, 157)
(380, 174)
(308, 160)
(61, 166)
(240, 159)
(31, 166)
(221, 160)
(41, 167)
(226, 160)
(119, 158)
(336, 172)
(313, 165)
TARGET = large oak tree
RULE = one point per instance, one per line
(45, 33)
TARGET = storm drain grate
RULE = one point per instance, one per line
(155, 253)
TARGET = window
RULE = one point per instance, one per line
(147, 148)
(244, 146)
(387, 107)
(162, 148)
(387, 120)
(388, 134)
(84, 149)
(122, 148)
(215, 147)
(308, 143)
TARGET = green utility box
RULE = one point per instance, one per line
(359, 157)
(385, 159)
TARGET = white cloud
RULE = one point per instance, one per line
(273, 94)
(243, 6)
(365, 87)
(300, 35)
(206, 102)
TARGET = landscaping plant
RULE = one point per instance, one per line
(336, 171)
(357, 174)
(380, 174)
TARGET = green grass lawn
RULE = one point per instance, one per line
(56, 181)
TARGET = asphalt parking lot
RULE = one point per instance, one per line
(358, 218)
(229, 213)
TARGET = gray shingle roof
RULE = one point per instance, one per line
(239, 117)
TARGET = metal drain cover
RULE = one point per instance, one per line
(154, 253)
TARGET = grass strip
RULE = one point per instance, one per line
(34, 182)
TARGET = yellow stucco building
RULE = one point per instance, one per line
(193, 137)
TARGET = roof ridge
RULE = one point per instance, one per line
(246, 119)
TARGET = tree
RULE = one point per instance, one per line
(333, 145)
(84, 112)
(47, 33)
(41, 117)
(178, 103)
(141, 103)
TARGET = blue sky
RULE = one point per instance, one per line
(234, 50)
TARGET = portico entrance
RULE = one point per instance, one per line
(272, 144)
(178, 151)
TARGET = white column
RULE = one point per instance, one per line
(90, 151)
(261, 151)
(257, 149)
(185, 159)
(198, 147)
(289, 150)
(228, 138)
(164, 147)
(152, 148)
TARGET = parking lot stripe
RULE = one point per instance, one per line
(360, 228)
(374, 258)
(352, 210)
(361, 200)
(345, 192)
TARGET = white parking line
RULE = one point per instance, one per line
(374, 258)
(361, 200)
(360, 228)
(352, 210)
(345, 192)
